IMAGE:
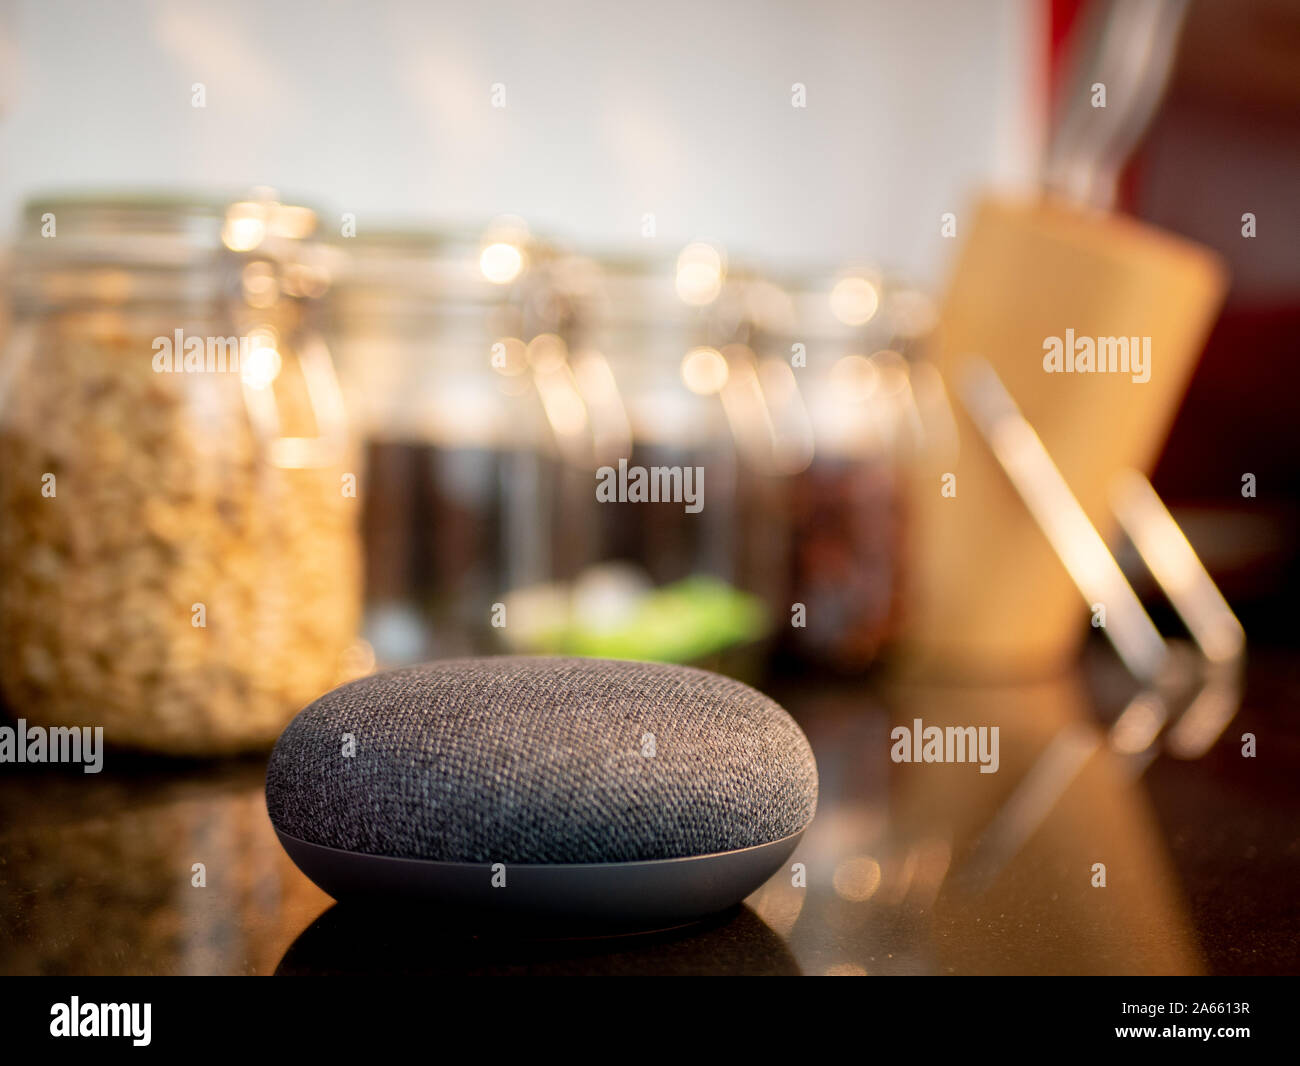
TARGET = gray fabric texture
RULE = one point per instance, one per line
(539, 760)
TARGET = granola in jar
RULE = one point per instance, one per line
(178, 555)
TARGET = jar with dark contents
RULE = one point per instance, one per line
(849, 347)
(767, 424)
(644, 537)
(650, 327)
(178, 554)
(431, 331)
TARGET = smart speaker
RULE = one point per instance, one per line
(621, 794)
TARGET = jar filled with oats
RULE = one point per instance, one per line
(178, 555)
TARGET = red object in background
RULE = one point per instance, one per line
(1222, 147)
(1063, 18)
(1225, 143)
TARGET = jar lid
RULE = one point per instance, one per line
(857, 305)
(128, 229)
(397, 268)
(157, 229)
(70, 243)
(650, 289)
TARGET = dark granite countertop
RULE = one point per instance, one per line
(911, 868)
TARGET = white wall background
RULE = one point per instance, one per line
(677, 107)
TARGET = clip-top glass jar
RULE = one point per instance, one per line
(431, 333)
(849, 340)
(644, 564)
(178, 556)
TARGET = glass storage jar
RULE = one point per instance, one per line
(849, 342)
(624, 358)
(643, 562)
(178, 556)
(431, 330)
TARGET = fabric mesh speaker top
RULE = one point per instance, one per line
(542, 761)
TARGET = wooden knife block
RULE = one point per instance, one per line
(987, 597)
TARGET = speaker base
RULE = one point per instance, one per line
(586, 897)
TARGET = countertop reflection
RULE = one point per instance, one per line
(913, 868)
